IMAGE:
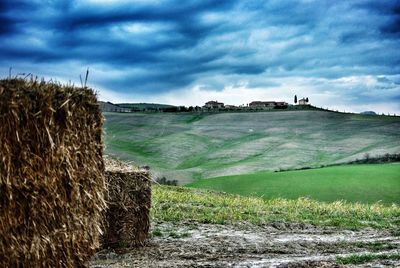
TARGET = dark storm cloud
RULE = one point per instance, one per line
(10, 21)
(7, 25)
(86, 16)
(159, 46)
(390, 11)
(85, 33)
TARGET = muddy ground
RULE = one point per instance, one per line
(277, 244)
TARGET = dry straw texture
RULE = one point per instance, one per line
(127, 216)
(51, 174)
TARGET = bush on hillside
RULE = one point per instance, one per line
(165, 181)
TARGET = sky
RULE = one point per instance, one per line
(340, 54)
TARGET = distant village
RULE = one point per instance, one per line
(264, 105)
(210, 106)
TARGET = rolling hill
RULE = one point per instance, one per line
(191, 146)
(111, 107)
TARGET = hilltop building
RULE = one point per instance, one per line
(214, 105)
(303, 101)
(267, 104)
(230, 106)
(280, 104)
(262, 104)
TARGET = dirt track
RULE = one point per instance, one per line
(243, 245)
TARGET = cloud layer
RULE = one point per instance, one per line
(338, 53)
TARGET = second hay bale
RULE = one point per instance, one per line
(128, 213)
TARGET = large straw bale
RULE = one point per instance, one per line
(127, 216)
(51, 174)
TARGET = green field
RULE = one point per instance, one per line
(192, 146)
(355, 183)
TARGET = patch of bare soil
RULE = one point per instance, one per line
(277, 244)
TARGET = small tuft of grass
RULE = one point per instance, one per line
(122, 245)
(364, 258)
(169, 232)
(157, 233)
(375, 245)
(175, 234)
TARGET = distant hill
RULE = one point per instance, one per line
(144, 106)
(111, 107)
(190, 146)
(131, 107)
(368, 113)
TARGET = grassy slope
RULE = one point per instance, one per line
(192, 146)
(356, 183)
(205, 206)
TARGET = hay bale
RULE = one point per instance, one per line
(128, 212)
(51, 174)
